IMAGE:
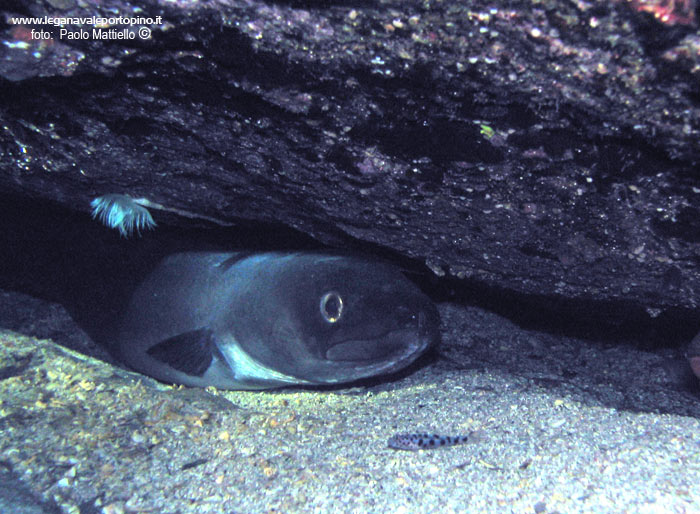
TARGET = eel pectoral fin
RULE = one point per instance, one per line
(190, 352)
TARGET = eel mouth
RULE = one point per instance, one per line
(395, 344)
(391, 349)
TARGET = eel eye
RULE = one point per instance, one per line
(331, 306)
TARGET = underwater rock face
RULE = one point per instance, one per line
(547, 151)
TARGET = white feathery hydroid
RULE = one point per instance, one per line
(124, 213)
(128, 214)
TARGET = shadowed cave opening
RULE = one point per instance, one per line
(64, 256)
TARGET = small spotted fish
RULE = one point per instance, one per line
(423, 441)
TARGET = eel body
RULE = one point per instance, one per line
(264, 320)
